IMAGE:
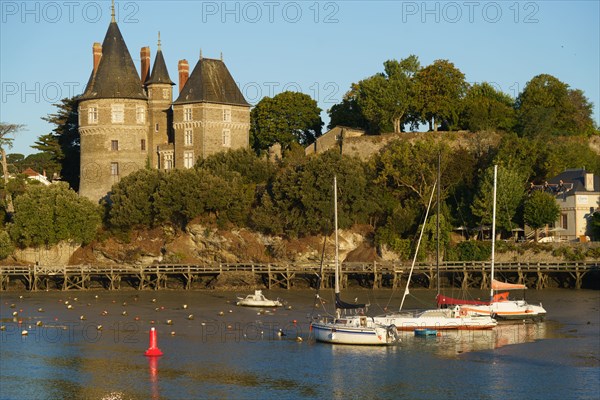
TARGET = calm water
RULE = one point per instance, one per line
(239, 354)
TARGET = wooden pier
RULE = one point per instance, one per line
(279, 275)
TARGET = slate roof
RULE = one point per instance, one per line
(159, 72)
(116, 76)
(211, 82)
(577, 178)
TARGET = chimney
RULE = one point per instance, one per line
(184, 73)
(97, 50)
(145, 57)
(589, 181)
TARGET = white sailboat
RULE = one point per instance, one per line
(451, 318)
(350, 329)
(499, 306)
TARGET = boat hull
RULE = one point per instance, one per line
(517, 310)
(437, 319)
(349, 331)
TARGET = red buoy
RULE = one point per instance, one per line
(153, 350)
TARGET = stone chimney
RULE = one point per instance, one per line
(589, 181)
(145, 60)
(97, 51)
(184, 73)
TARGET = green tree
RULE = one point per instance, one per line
(596, 225)
(63, 143)
(6, 142)
(548, 107)
(47, 215)
(244, 162)
(510, 192)
(289, 117)
(131, 202)
(487, 109)
(386, 98)
(348, 113)
(439, 89)
(540, 210)
(6, 245)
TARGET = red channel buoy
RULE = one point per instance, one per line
(153, 350)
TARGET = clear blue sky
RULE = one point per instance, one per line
(319, 48)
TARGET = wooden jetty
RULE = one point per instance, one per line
(282, 275)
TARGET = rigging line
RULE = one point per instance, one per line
(320, 277)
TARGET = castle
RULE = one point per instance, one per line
(128, 122)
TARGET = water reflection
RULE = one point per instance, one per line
(153, 369)
(453, 343)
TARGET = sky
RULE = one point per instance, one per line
(317, 47)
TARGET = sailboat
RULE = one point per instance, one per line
(450, 318)
(499, 306)
(349, 329)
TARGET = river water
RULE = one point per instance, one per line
(91, 345)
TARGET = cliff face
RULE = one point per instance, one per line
(203, 244)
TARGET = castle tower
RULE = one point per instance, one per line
(113, 118)
(210, 115)
(160, 117)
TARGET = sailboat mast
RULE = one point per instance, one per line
(412, 267)
(493, 232)
(337, 277)
(437, 225)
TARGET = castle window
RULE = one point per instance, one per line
(92, 115)
(114, 145)
(156, 128)
(188, 159)
(166, 94)
(114, 169)
(187, 113)
(226, 115)
(168, 161)
(188, 138)
(143, 145)
(226, 138)
(118, 113)
(140, 115)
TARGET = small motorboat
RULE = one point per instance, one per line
(425, 332)
(258, 300)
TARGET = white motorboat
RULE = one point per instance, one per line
(258, 300)
(351, 329)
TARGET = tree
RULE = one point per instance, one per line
(348, 113)
(439, 89)
(386, 98)
(510, 191)
(244, 162)
(47, 215)
(63, 143)
(486, 109)
(289, 117)
(596, 225)
(5, 141)
(548, 107)
(132, 200)
(540, 210)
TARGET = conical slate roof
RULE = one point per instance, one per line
(159, 72)
(116, 76)
(211, 82)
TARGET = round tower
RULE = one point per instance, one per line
(113, 118)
